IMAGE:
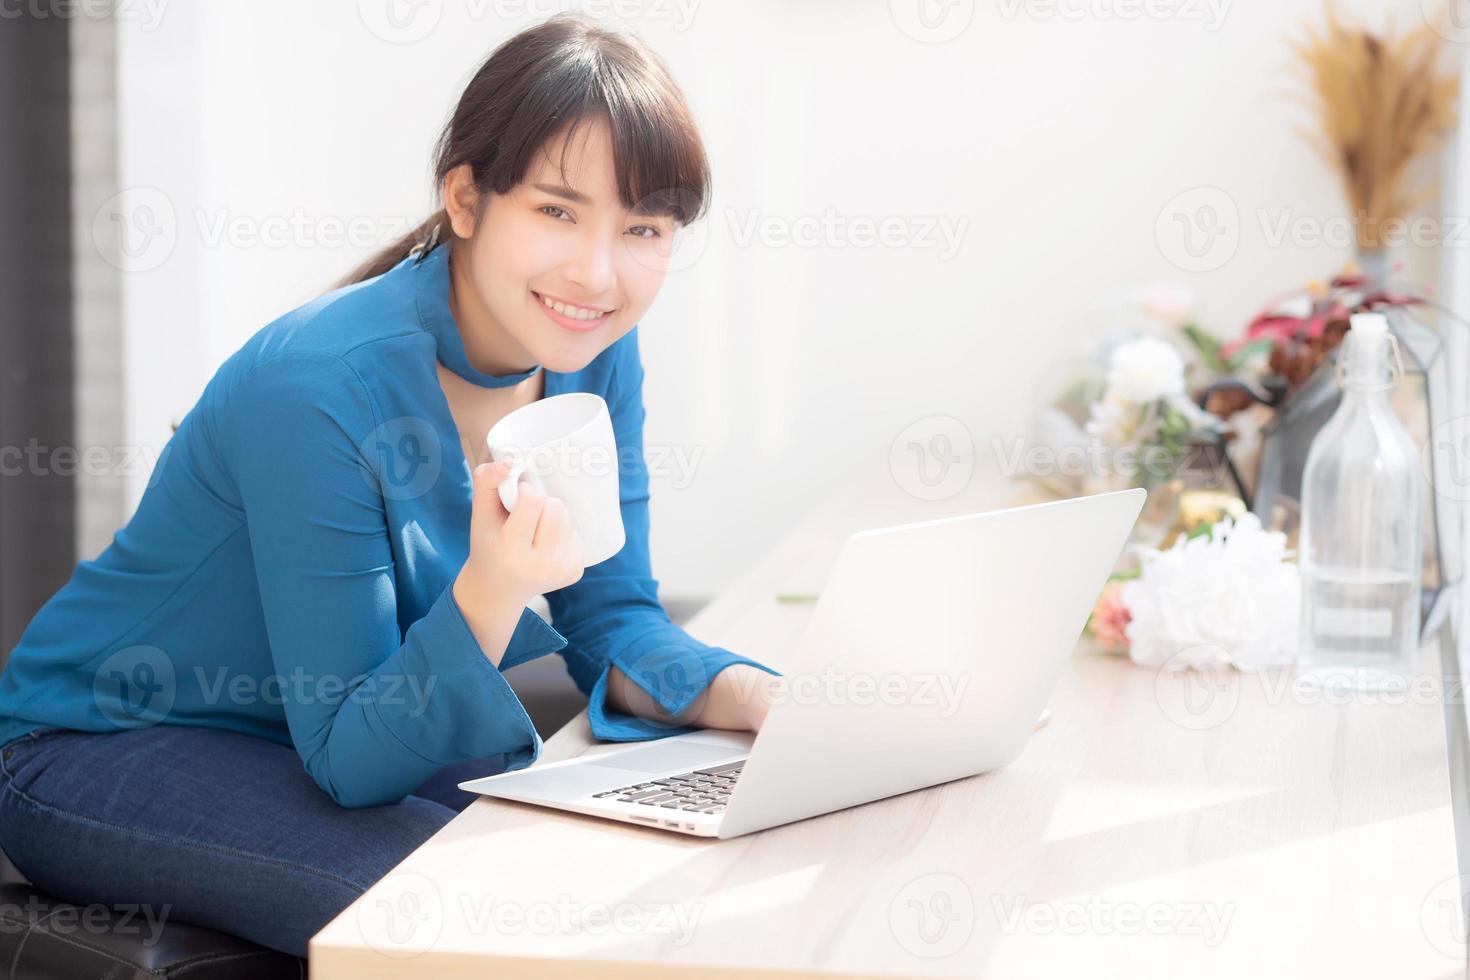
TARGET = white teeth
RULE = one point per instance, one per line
(575, 312)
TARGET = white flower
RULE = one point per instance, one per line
(1145, 370)
(1170, 302)
(1116, 422)
(1230, 598)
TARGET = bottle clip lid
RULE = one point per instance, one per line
(1396, 361)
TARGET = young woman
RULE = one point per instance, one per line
(260, 696)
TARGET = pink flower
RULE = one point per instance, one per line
(1109, 618)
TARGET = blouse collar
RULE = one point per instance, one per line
(431, 270)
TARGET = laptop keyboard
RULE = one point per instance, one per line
(703, 790)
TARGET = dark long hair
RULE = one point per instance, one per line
(560, 74)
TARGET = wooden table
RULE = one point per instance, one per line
(1161, 826)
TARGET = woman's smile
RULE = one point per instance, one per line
(578, 319)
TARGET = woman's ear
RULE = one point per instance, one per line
(461, 200)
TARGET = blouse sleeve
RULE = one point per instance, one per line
(372, 710)
(612, 615)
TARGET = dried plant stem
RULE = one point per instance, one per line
(1382, 102)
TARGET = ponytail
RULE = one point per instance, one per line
(430, 228)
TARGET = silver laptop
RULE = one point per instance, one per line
(929, 656)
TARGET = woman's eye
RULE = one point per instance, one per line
(560, 212)
(644, 231)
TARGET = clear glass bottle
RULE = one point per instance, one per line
(1359, 547)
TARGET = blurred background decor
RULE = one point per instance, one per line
(1305, 330)
(1226, 596)
(1132, 412)
(1383, 104)
(1227, 593)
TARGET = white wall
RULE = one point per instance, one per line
(1058, 139)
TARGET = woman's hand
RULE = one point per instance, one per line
(739, 698)
(513, 557)
(745, 694)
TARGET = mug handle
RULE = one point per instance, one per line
(510, 487)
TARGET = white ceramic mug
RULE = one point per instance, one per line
(564, 446)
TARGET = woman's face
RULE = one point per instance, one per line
(556, 270)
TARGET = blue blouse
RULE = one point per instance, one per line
(287, 572)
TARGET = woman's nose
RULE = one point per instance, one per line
(593, 269)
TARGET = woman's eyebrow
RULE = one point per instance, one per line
(561, 191)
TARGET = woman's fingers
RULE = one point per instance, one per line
(487, 513)
(556, 543)
(572, 558)
(554, 526)
(532, 550)
(520, 527)
(557, 548)
(537, 534)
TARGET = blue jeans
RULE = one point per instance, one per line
(205, 826)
